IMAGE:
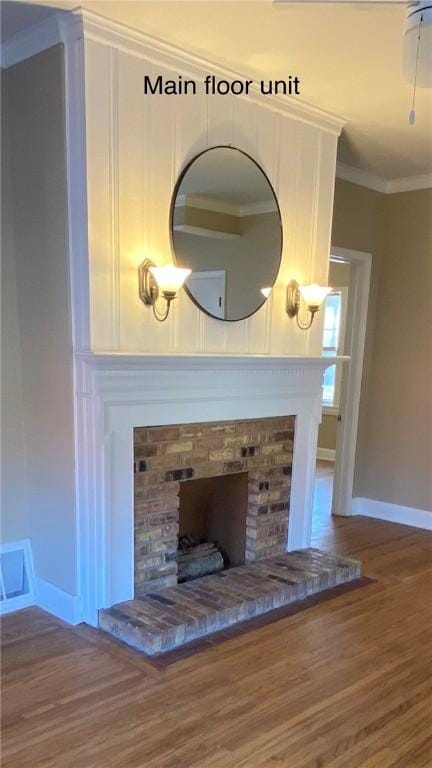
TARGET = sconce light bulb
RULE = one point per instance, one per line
(266, 292)
(313, 295)
(170, 278)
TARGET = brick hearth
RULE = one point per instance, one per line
(166, 456)
(161, 621)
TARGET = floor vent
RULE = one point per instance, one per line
(16, 576)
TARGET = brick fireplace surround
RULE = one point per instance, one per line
(166, 456)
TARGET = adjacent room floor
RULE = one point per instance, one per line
(343, 684)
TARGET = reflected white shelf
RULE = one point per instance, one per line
(216, 234)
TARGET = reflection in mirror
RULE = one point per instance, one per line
(226, 228)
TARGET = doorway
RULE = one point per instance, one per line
(345, 316)
(208, 289)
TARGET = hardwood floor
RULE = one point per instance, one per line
(345, 684)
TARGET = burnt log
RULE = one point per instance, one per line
(194, 565)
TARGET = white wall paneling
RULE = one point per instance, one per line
(137, 146)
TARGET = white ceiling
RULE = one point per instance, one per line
(347, 55)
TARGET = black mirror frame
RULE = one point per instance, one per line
(171, 225)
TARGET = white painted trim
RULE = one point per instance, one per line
(120, 362)
(61, 27)
(206, 204)
(76, 179)
(361, 264)
(409, 183)
(30, 41)
(379, 184)
(256, 209)
(57, 602)
(393, 2)
(357, 176)
(394, 513)
(326, 454)
(212, 234)
(219, 206)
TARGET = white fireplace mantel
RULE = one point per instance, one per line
(117, 392)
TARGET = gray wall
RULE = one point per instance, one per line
(39, 332)
(394, 449)
(14, 523)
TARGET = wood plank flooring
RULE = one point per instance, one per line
(345, 684)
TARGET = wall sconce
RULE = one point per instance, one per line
(154, 281)
(266, 292)
(312, 295)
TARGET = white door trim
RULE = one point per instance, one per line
(361, 264)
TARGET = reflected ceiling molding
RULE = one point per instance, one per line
(379, 184)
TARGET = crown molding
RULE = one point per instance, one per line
(409, 183)
(206, 204)
(142, 45)
(377, 183)
(357, 176)
(61, 27)
(65, 26)
(29, 42)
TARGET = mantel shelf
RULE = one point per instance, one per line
(126, 361)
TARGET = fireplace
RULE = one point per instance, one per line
(219, 491)
(116, 394)
(212, 524)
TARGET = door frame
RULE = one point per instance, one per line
(346, 442)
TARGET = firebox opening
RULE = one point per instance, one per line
(212, 524)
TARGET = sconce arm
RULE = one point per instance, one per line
(162, 316)
(305, 326)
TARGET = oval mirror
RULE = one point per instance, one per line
(226, 227)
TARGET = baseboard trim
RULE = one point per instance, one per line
(326, 454)
(57, 602)
(393, 513)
